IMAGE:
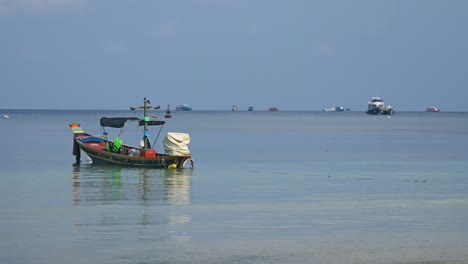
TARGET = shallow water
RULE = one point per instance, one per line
(284, 187)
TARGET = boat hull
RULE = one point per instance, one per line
(93, 147)
(377, 111)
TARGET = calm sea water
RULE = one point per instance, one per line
(284, 187)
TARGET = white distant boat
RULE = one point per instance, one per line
(6, 116)
(432, 109)
(376, 107)
(333, 109)
(184, 107)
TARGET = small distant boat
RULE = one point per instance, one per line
(376, 107)
(432, 109)
(168, 112)
(234, 108)
(101, 150)
(333, 109)
(6, 116)
(273, 109)
(250, 109)
(184, 107)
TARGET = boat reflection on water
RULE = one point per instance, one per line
(99, 184)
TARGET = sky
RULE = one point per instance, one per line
(213, 54)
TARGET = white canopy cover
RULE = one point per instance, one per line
(176, 143)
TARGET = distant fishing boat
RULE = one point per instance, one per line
(184, 107)
(250, 108)
(6, 116)
(234, 108)
(432, 109)
(273, 109)
(376, 107)
(334, 109)
(168, 112)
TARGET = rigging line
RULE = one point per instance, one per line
(122, 130)
(158, 135)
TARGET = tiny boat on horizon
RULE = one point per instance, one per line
(168, 112)
(273, 109)
(184, 107)
(335, 109)
(432, 109)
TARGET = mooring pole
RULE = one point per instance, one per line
(76, 151)
(146, 119)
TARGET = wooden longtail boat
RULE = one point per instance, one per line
(102, 150)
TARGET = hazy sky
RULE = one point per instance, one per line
(212, 54)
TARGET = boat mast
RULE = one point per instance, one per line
(146, 119)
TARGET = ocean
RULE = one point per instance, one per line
(267, 187)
